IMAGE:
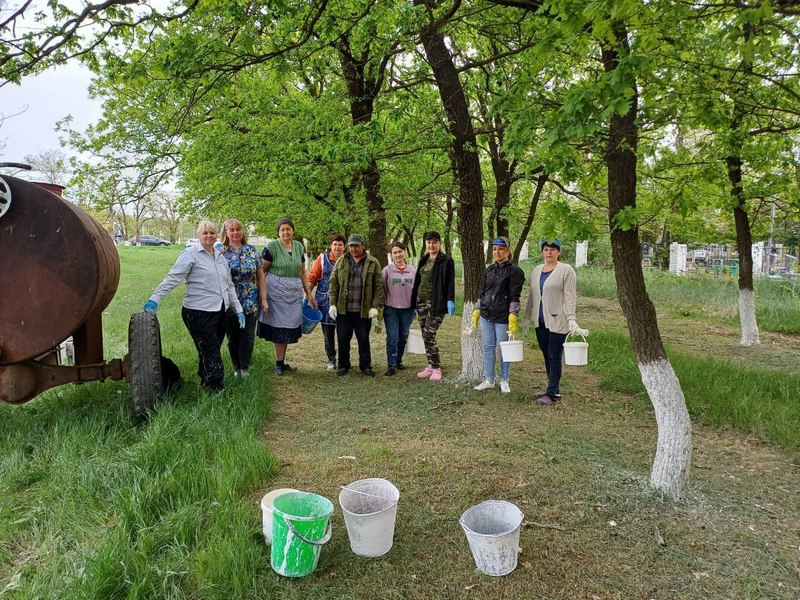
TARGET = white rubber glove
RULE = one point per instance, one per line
(574, 329)
(373, 313)
(332, 312)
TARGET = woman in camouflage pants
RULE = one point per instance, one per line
(434, 296)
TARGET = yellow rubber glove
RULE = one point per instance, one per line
(513, 324)
(476, 315)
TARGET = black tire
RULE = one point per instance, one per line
(144, 351)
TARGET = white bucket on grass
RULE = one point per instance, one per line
(370, 510)
(266, 510)
(511, 351)
(415, 345)
(576, 354)
(492, 529)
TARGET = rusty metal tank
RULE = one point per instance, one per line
(58, 270)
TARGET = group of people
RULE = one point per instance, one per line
(233, 291)
(352, 289)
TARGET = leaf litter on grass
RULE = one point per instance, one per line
(572, 469)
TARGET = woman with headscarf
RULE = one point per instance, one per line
(283, 260)
(209, 293)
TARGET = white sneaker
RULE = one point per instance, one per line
(331, 366)
(485, 385)
(504, 387)
(236, 373)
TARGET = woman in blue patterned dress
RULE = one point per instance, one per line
(248, 279)
(284, 263)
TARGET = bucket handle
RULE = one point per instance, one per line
(573, 334)
(325, 539)
(392, 503)
(349, 489)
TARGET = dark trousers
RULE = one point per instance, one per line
(207, 330)
(329, 335)
(241, 341)
(552, 346)
(346, 324)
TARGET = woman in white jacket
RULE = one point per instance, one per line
(552, 296)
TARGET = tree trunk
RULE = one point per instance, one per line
(378, 243)
(502, 198)
(468, 171)
(471, 348)
(362, 89)
(489, 236)
(744, 244)
(537, 194)
(671, 466)
(503, 171)
(448, 224)
(666, 239)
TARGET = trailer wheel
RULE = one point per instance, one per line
(144, 348)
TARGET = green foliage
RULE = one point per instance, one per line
(249, 111)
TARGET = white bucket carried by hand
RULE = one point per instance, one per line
(576, 354)
(492, 530)
(266, 510)
(370, 510)
(415, 345)
(511, 351)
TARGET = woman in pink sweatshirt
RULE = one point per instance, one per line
(398, 314)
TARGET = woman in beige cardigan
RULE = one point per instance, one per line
(552, 295)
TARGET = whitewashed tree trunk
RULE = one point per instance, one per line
(747, 318)
(471, 349)
(672, 463)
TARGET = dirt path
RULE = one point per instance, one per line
(578, 471)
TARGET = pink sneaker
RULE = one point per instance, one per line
(425, 373)
(436, 375)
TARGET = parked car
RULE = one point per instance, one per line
(192, 242)
(148, 240)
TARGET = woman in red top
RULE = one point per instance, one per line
(320, 277)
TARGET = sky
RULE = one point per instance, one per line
(42, 101)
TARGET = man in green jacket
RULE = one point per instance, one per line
(356, 294)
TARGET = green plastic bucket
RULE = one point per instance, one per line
(301, 526)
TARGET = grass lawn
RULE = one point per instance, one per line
(92, 505)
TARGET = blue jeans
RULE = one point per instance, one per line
(491, 336)
(552, 346)
(398, 321)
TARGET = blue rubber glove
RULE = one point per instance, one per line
(151, 307)
(240, 316)
(451, 307)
